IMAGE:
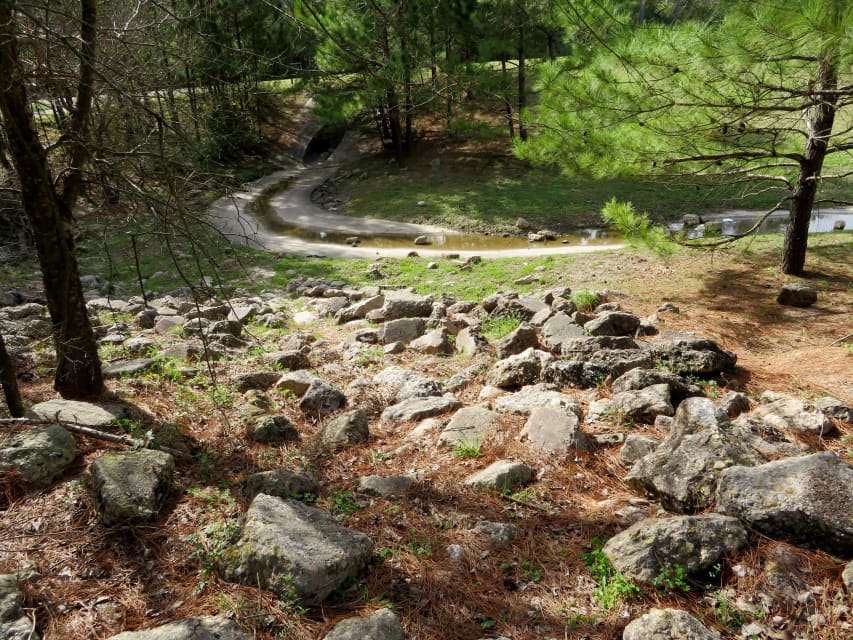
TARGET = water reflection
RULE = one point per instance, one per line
(730, 225)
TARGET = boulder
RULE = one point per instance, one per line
(519, 370)
(97, 416)
(295, 382)
(503, 475)
(734, 403)
(583, 348)
(255, 380)
(321, 398)
(613, 323)
(787, 413)
(644, 405)
(294, 550)
(418, 409)
(14, 625)
(406, 383)
(556, 430)
(360, 309)
(385, 485)
(796, 294)
(807, 499)
(379, 625)
(635, 379)
(558, 329)
(130, 487)
(636, 447)
(668, 624)
(436, 342)
(129, 368)
(523, 402)
(280, 483)
(574, 373)
(227, 327)
(619, 361)
(405, 304)
(401, 330)
(39, 455)
(834, 408)
(656, 545)
(686, 353)
(682, 472)
(291, 359)
(469, 425)
(470, 342)
(521, 338)
(218, 628)
(348, 428)
(275, 430)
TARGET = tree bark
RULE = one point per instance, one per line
(819, 121)
(78, 372)
(10, 383)
(522, 77)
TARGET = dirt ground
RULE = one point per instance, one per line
(88, 581)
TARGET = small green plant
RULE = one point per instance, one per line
(392, 510)
(727, 615)
(465, 450)
(135, 429)
(497, 328)
(386, 552)
(370, 356)
(613, 587)
(672, 577)
(343, 503)
(214, 538)
(487, 623)
(530, 571)
(585, 300)
(420, 544)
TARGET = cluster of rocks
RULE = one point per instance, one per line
(745, 461)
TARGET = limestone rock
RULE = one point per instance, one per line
(556, 430)
(694, 543)
(521, 338)
(380, 625)
(519, 370)
(401, 330)
(793, 414)
(321, 398)
(291, 359)
(668, 624)
(583, 348)
(131, 486)
(436, 342)
(258, 380)
(805, 499)
(14, 625)
(294, 550)
(385, 485)
(280, 483)
(469, 341)
(636, 379)
(218, 628)
(405, 304)
(574, 373)
(347, 428)
(796, 294)
(559, 328)
(644, 405)
(683, 471)
(38, 455)
(97, 416)
(686, 353)
(636, 447)
(359, 309)
(469, 425)
(418, 409)
(269, 429)
(295, 382)
(834, 408)
(407, 383)
(734, 403)
(502, 475)
(619, 361)
(613, 323)
(523, 402)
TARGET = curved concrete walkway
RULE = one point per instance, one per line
(234, 216)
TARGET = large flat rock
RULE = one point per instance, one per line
(86, 414)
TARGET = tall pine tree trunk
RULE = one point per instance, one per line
(10, 383)
(819, 121)
(78, 372)
(522, 79)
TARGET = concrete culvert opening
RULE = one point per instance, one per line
(323, 144)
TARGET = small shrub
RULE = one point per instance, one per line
(585, 300)
(465, 450)
(613, 587)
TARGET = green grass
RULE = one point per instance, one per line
(467, 450)
(613, 588)
(497, 328)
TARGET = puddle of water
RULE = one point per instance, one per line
(821, 222)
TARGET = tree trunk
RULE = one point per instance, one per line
(820, 121)
(10, 383)
(522, 80)
(78, 372)
(507, 102)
